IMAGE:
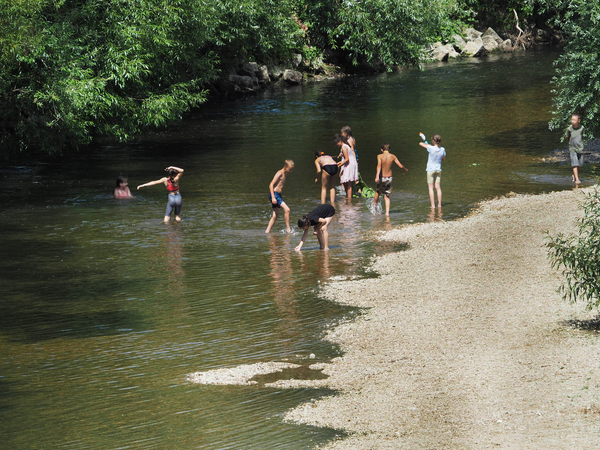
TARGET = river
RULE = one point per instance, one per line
(105, 309)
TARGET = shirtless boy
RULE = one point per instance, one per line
(385, 161)
(275, 189)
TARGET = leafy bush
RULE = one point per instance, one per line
(579, 255)
(578, 72)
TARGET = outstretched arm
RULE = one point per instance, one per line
(299, 246)
(401, 166)
(423, 144)
(152, 183)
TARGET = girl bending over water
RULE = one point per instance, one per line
(172, 184)
(319, 218)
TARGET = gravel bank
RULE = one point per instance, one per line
(466, 343)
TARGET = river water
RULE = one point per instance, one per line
(105, 310)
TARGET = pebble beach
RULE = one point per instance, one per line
(465, 342)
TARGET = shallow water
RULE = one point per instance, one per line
(105, 309)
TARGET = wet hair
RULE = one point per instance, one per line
(339, 138)
(577, 114)
(121, 180)
(318, 154)
(172, 175)
(347, 131)
(386, 147)
(303, 221)
(288, 163)
(436, 138)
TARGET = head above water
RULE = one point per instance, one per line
(385, 147)
(120, 181)
(347, 131)
(436, 139)
(304, 221)
(288, 165)
(339, 138)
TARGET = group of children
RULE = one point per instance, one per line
(347, 168)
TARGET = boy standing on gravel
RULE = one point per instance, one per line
(575, 136)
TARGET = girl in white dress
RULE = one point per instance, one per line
(348, 165)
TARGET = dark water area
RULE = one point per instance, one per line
(105, 309)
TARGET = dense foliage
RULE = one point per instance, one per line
(578, 72)
(579, 255)
(74, 69)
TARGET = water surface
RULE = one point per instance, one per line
(105, 309)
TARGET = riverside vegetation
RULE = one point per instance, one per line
(72, 70)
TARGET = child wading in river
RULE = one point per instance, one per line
(437, 154)
(385, 161)
(319, 218)
(275, 189)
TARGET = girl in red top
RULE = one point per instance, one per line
(172, 184)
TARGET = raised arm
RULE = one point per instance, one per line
(423, 144)
(152, 183)
(178, 169)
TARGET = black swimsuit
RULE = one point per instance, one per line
(331, 169)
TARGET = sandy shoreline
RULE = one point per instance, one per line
(466, 343)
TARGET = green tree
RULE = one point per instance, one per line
(577, 77)
(579, 255)
(72, 69)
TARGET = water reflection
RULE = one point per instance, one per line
(174, 250)
(435, 215)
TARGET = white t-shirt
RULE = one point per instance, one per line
(434, 162)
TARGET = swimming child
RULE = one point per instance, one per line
(385, 161)
(275, 189)
(329, 169)
(437, 154)
(122, 189)
(319, 218)
(172, 184)
(575, 136)
(348, 165)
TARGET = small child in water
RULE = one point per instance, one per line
(275, 189)
(122, 189)
(385, 161)
(437, 154)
